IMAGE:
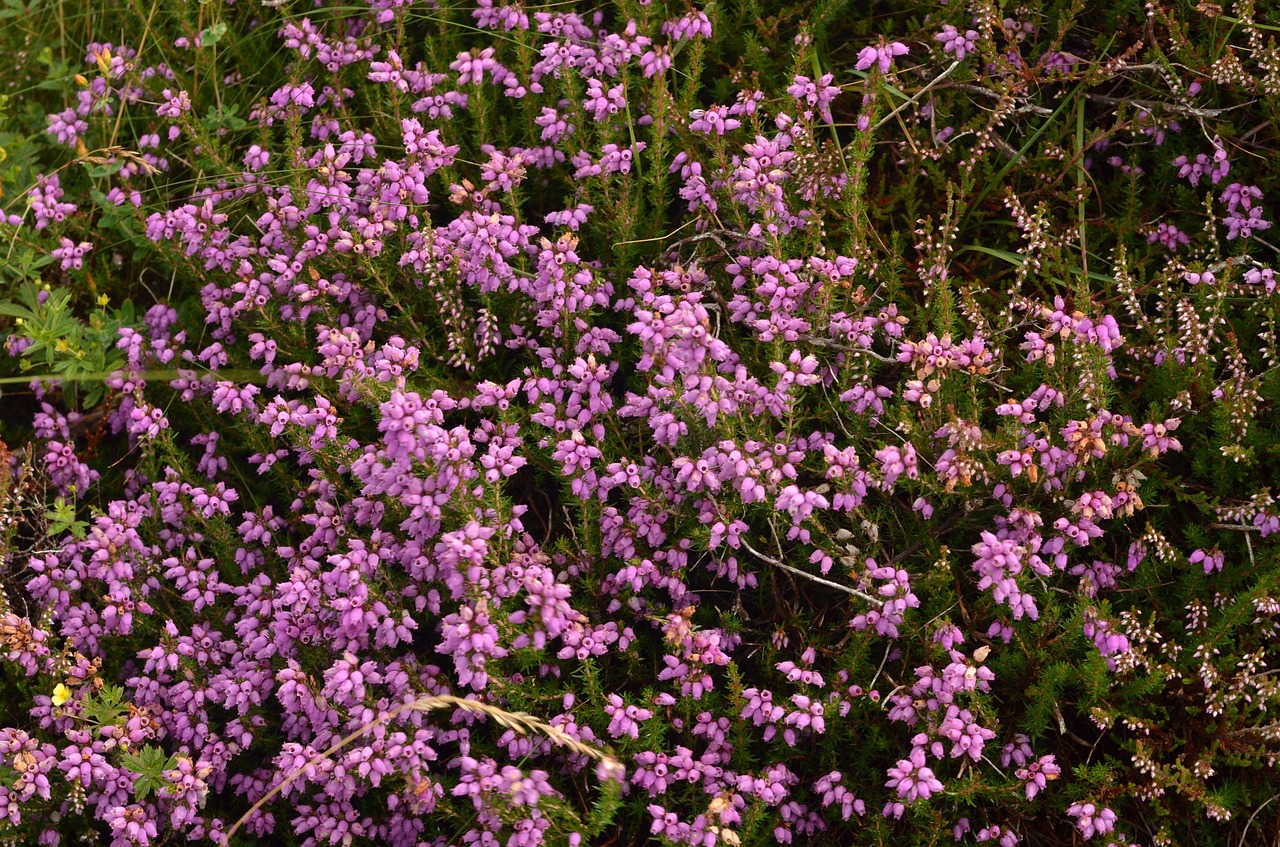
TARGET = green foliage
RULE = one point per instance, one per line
(105, 707)
(149, 764)
(79, 353)
(62, 518)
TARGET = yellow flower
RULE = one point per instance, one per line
(61, 694)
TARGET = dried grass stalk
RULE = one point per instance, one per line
(521, 722)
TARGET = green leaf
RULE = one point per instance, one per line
(145, 785)
(63, 519)
(150, 760)
(106, 707)
(13, 310)
(212, 35)
(1017, 260)
(224, 118)
(149, 764)
(109, 169)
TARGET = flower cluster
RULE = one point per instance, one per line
(552, 432)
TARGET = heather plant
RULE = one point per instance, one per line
(651, 423)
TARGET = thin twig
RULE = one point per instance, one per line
(1235, 527)
(880, 670)
(991, 92)
(994, 766)
(939, 78)
(1254, 815)
(1173, 108)
(847, 348)
(657, 237)
(716, 235)
(828, 583)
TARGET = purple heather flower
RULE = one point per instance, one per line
(1090, 820)
(881, 54)
(912, 780)
(71, 254)
(47, 203)
(1212, 559)
(1038, 774)
(174, 105)
(1244, 213)
(713, 121)
(1168, 235)
(67, 127)
(954, 41)
(817, 94)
